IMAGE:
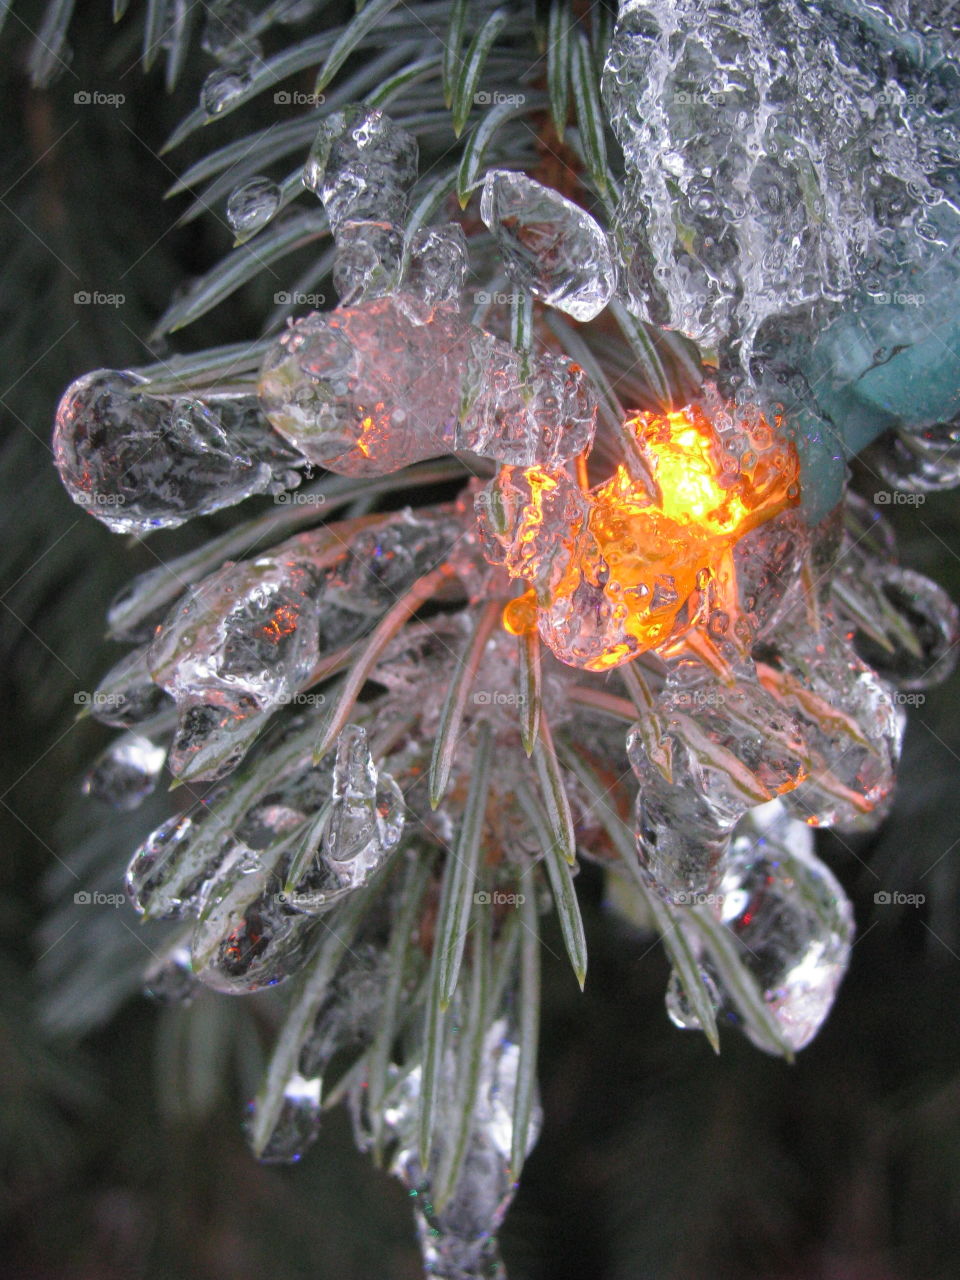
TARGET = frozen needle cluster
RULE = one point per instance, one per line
(393, 728)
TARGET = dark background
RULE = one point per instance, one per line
(120, 1124)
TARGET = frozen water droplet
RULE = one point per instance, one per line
(549, 245)
(252, 205)
(161, 880)
(679, 1008)
(366, 820)
(126, 772)
(298, 1123)
(127, 695)
(138, 463)
(919, 461)
(730, 747)
(524, 412)
(246, 937)
(223, 87)
(361, 166)
(793, 926)
(437, 267)
(847, 716)
(459, 1240)
(170, 979)
(384, 561)
(769, 168)
(241, 641)
(367, 260)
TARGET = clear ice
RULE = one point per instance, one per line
(362, 826)
(228, 31)
(436, 267)
(458, 1241)
(792, 922)
(298, 1124)
(139, 462)
(246, 639)
(366, 820)
(366, 390)
(224, 86)
(252, 205)
(367, 260)
(777, 155)
(730, 747)
(918, 461)
(246, 937)
(549, 245)
(125, 773)
(362, 167)
(237, 645)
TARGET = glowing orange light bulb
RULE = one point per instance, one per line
(627, 570)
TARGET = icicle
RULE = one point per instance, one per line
(458, 1240)
(298, 1123)
(363, 827)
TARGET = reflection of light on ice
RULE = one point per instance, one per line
(633, 561)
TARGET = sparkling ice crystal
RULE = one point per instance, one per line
(549, 245)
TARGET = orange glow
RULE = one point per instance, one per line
(283, 623)
(375, 425)
(717, 479)
(520, 615)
